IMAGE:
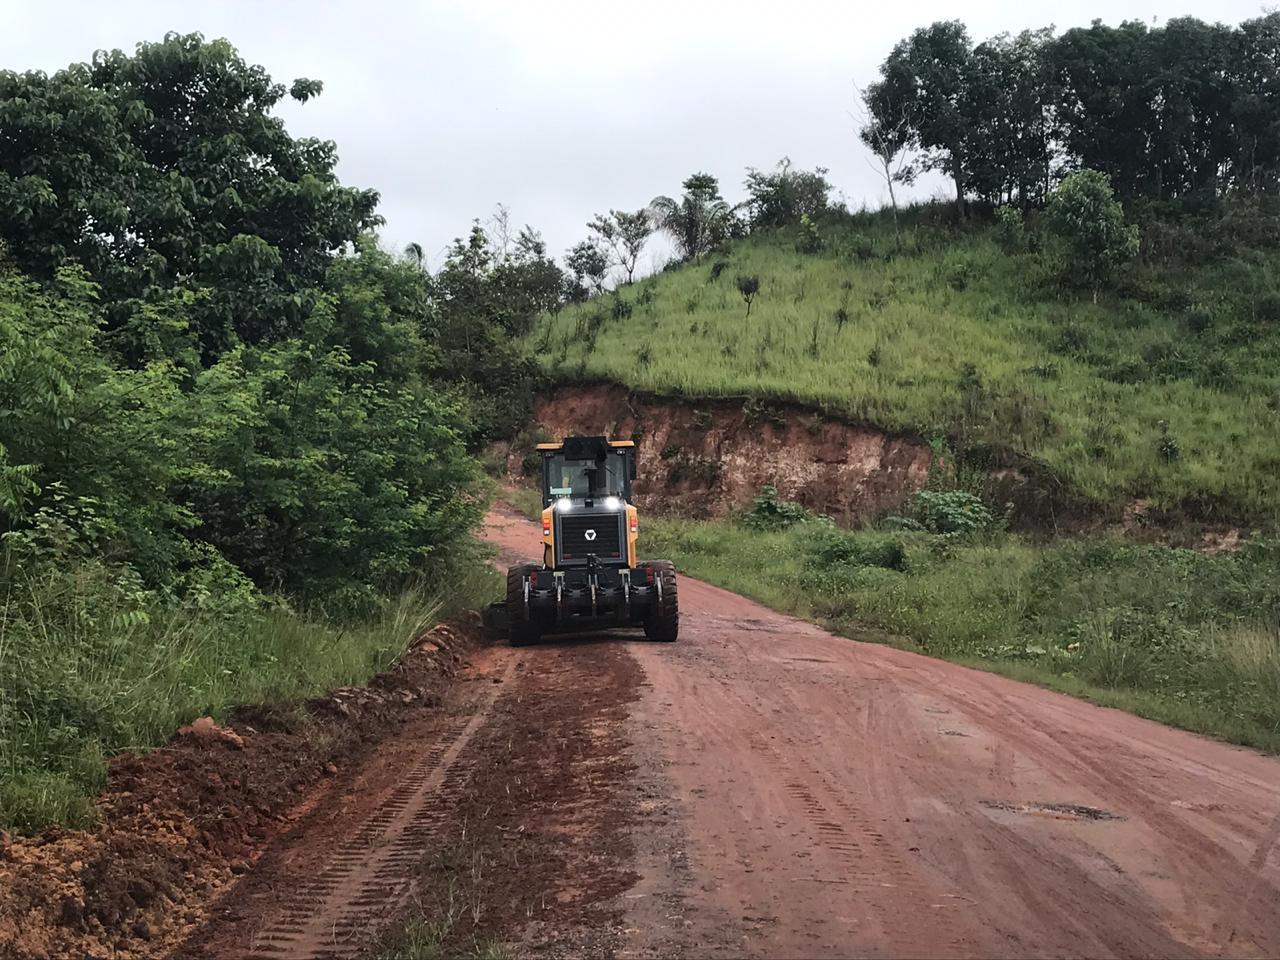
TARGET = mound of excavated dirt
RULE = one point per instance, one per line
(179, 823)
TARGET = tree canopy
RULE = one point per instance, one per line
(166, 168)
(208, 362)
(699, 221)
(1184, 109)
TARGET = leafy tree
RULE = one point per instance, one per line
(1191, 93)
(1104, 107)
(887, 132)
(588, 262)
(699, 221)
(1187, 109)
(925, 78)
(527, 282)
(478, 304)
(1254, 68)
(1008, 116)
(168, 169)
(784, 196)
(1088, 222)
(626, 234)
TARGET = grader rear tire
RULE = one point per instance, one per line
(522, 632)
(663, 622)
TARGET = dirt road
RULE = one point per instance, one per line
(816, 796)
(764, 789)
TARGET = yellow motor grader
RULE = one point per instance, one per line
(590, 576)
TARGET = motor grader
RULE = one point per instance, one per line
(590, 576)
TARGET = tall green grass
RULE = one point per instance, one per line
(1170, 634)
(90, 666)
(1170, 392)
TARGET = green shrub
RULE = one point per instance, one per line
(1094, 241)
(951, 512)
(959, 272)
(859, 248)
(1167, 446)
(1011, 233)
(769, 512)
(829, 546)
(810, 240)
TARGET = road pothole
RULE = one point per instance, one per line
(1061, 811)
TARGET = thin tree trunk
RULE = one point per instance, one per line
(893, 198)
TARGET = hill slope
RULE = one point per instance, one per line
(1168, 391)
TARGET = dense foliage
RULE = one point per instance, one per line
(783, 196)
(1180, 110)
(231, 425)
(166, 169)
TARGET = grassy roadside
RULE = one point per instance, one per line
(525, 500)
(89, 668)
(1172, 635)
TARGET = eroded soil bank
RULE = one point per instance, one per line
(704, 458)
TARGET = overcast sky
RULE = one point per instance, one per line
(558, 109)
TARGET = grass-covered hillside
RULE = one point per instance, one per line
(1166, 388)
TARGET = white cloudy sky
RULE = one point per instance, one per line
(558, 109)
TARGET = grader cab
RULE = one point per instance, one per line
(590, 575)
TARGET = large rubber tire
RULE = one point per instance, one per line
(663, 621)
(521, 633)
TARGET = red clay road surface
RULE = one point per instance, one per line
(804, 795)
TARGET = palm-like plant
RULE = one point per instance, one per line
(698, 221)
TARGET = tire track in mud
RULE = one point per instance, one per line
(371, 872)
(875, 873)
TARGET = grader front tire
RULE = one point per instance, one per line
(663, 622)
(522, 632)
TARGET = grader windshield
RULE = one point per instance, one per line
(587, 471)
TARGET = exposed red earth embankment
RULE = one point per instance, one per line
(710, 457)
